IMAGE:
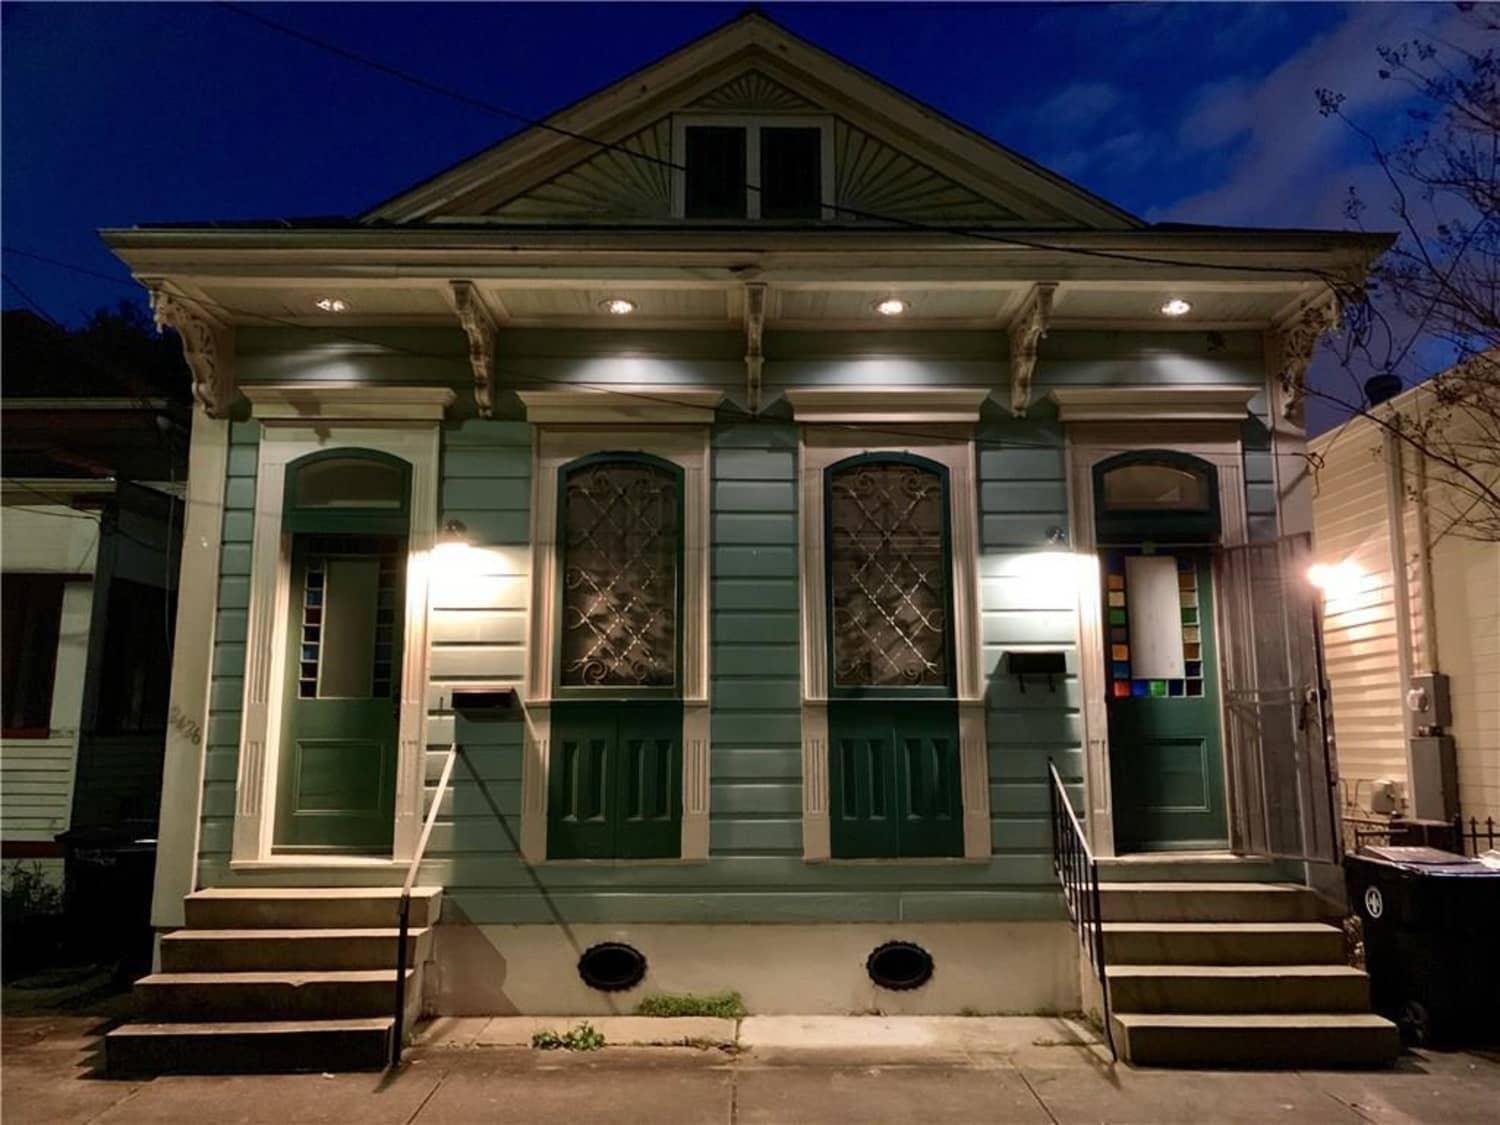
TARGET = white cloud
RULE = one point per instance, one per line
(1288, 149)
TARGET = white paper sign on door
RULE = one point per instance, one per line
(1154, 613)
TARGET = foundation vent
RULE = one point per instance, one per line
(899, 965)
(612, 966)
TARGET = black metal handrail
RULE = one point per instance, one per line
(398, 1032)
(1077, 870)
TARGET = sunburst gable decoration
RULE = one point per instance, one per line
(753, 92)
(873, 179)
(611, 184)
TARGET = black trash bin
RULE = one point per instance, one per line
(108, 875)
(1431, 923)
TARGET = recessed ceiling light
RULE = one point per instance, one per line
(617, 306)
(332, 304)
(891, 306)
(1176, 307)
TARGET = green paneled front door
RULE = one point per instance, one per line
(337, 776)
(894, 778)
(1166, 766)
(615, 780)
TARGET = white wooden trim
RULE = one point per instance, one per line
(820, 448)
(687, 447)
(627, 404)
(1154, 403)
(417, 443)
(192, 671)
(1218, 443)
(346, 402)
(923, 405)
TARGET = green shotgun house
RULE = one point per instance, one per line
(765, 483)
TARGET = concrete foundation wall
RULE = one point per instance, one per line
(988, 967)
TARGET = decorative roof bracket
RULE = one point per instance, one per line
(755, 326)
(1026, 330)
(479, 327)
(1291, 343)
(207, 345)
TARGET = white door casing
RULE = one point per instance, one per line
(1202, 422)
(940, 429)
(663, 422)
(400, 421)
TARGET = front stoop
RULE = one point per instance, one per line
(1234, 973)
(277, 980)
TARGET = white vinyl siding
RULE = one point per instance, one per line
(36, 774)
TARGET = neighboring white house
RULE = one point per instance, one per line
(48, 554)
(1412, 593)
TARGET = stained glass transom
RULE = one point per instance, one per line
(1124, 685)
(621, 551)
(889, 580)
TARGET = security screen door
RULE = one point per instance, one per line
(347, 516)
(892, 710)
(615, 768)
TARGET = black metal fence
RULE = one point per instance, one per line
(1464, 837)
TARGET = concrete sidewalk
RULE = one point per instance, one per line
(796, 1070)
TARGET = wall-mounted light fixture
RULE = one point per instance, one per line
(1057, 536)
(617, 306)
(454, 532)
(1176, 307)
(891, 306)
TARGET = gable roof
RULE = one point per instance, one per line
(608, 156)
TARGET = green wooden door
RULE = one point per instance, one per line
(894, 779)
(1166, 762)
(615, 780)
(337, 776)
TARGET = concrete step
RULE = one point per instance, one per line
(1168, 868)
(241, 1048)
(330, 994)
(1190, 989)
(228, 951)
(1223, 943)
(314, 908)
(1208, 902)
(1324, 1039)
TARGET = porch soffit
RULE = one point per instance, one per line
(752, 61)
(886, 405)
(348, 402)
(1154, 403)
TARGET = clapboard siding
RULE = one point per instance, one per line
(478, 626)
(478, 635)
(1023, 492)
(227, 683)
(755, 798)
(1360, 642)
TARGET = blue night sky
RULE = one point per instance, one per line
(116, 114)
